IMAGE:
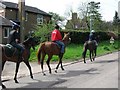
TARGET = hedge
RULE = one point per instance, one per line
(81, 37)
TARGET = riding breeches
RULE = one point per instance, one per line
(62, 46)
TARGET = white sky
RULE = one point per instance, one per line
(108, 7)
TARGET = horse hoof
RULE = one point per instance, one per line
(50, 72)
(44, 74)
(3, 86)
(55, 71)
(16, 81)
(32, 77)
(63, 69)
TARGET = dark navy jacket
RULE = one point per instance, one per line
(13, 36)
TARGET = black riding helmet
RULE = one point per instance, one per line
(15, 27)
(57, 26)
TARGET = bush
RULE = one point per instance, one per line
(78, 37)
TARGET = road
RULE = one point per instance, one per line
(102, 73)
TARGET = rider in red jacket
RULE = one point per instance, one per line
(57, 37)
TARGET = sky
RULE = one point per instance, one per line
(107, 7)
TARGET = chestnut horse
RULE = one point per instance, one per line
(51, 48)
(27, 44)
(91, 46)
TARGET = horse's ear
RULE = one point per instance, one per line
(66, 33)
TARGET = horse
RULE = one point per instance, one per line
(27, 44)
(92, 47)
(50, 49)
(1, 85)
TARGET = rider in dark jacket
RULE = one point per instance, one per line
(14, 39)
(92, 37)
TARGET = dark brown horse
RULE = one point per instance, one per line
(50, 49)
(27, 44)
(1, 85)
(92, 47)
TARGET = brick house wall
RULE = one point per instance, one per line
(31, 15)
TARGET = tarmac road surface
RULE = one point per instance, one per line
(102, 73)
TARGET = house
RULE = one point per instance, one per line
(33, 16)
(76, 23)
(6, 27)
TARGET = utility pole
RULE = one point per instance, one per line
(21, 10)
(119, 9)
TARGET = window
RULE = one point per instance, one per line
(6, 32)
(39, 19)
(26, 16)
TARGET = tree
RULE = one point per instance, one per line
(83, 12)
(56, 17)
(116, 20)
(43, 32)
(93, 13)
(89, 11)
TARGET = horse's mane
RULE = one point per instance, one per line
(27, 41)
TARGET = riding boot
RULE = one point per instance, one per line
(61, 55)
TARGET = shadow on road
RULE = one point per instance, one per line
(79, 72)
(43, 84)
(107, 61)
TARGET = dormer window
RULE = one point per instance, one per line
(39, 19)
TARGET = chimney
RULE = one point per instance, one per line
(74, 16)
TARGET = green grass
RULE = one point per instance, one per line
(74, 51)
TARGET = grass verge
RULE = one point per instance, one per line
(74, 51)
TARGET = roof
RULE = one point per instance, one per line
(27, 8)
(5, 22)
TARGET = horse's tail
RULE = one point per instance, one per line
(39, 53)
(84, 49)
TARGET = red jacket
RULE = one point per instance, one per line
(56, 35)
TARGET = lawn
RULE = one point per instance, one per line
(74, 51)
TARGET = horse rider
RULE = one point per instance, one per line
(57, 37)
(92, 37)
(14, 40)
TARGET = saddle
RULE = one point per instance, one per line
(59, 46)
(9, 50)
(91, 41)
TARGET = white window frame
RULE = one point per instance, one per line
(39, 19)
(26, 16)
(8, 32)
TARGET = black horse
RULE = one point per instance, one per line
(92, 47)
(14, 57)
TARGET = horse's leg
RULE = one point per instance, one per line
(42, 62)
(3, 63)
(17, 67)
(57, 67)
(84, 55)
(3, 86)
(48, 63)
(60, 57)
(95, 53)
(1, 69)
(29, 67)
(93, 56)
(90, 56)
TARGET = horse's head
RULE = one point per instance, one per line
(31, 42)
(66, 38)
